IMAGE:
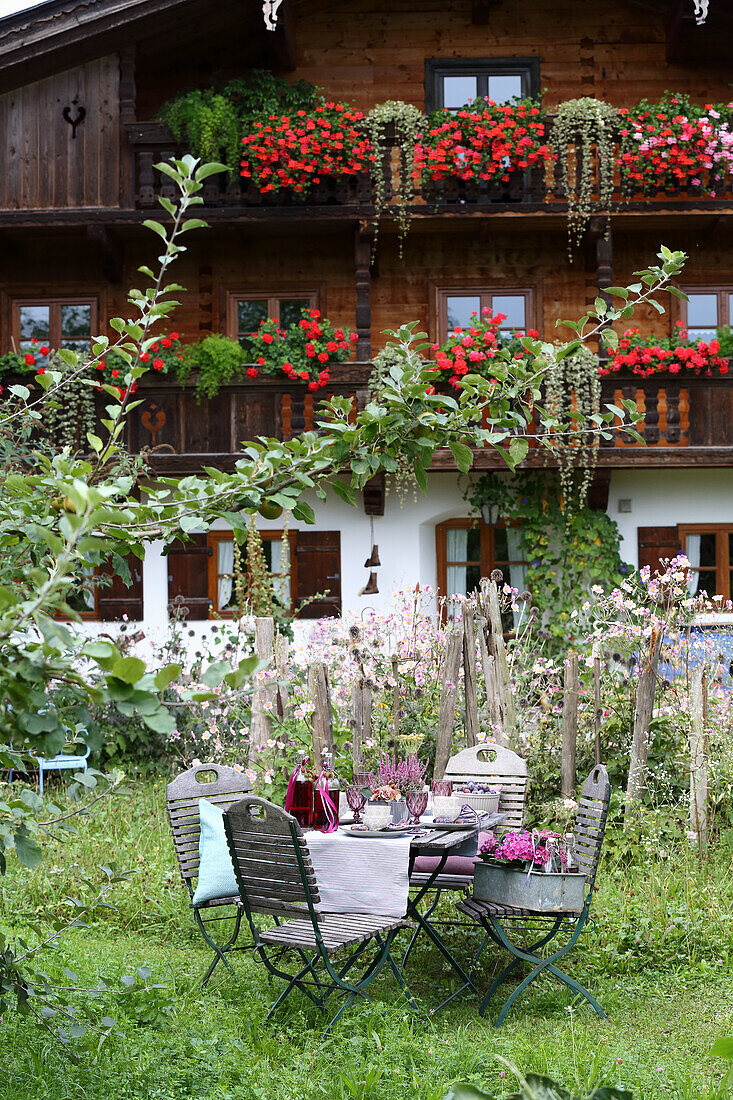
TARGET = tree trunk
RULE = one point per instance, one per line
(642, 723)
(322, 723)
(263, 697)
(569, 725)
(699, 756)
(469, 676)
(446, 715)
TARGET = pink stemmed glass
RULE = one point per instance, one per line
(417, 802)
(356, 800)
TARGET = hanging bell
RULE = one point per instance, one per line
(373, 559)
(370, 588)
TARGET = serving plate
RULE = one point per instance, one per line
(381, 834)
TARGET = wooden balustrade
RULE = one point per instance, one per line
(537, 189)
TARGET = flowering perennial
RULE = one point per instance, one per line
(677, 354)
(517, 849)
(304, 352)
(470, 351)
(676, 145)
(484, 141)
(295, 151)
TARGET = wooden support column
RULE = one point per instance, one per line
(363, 282)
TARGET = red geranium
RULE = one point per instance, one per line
(677, 354)
(304, 352)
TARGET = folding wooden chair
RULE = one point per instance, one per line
(494, 917)
(182, 803)
(275, 875)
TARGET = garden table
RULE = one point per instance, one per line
(444, 843)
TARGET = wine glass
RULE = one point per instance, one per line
(356, 800)
(417, 802)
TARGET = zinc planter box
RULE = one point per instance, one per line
(553, 893)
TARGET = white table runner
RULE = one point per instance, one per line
(360, 874)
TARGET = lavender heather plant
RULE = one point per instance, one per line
(405, 775)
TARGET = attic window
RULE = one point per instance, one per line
(452, 84)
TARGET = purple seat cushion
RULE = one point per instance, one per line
(454, 865)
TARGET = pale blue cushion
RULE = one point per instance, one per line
(216, 874)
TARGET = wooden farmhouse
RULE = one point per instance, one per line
(82, 83)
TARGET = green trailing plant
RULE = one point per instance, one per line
(572, 398)
(405, 124)
(72, 414)
(212, 121)
(587, 127)
(218, 359)
(566, 552)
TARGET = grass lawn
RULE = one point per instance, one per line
(659, 962)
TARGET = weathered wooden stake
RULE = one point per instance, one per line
(396, 695)
(699, 756)
(469, 675)
(322, 721)
(361, 721)
(447, 712)
(642, 721)
(264, 695)
(569, 725)
(493, 695)
(281, 665)
(597, 709)
(497, 649)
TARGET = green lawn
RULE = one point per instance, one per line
(659, 962)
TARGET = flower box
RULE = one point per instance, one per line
(543, 893)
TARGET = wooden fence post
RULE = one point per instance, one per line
(494, 703)
(569, 725)
(497, 649)
(446, 714)
(396, 695)
(263, 695)
(698, 756)
(597, 709)
(322, 720)
(642, 722)
(361, 721)
(281, 666)
(469, 675)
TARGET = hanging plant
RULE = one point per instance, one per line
(588, 127)
(408, 126)
(572, 396)
(71, 413)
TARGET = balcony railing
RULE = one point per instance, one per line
(534, 191)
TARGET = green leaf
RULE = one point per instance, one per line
(156, 228)
(129, 669)
(166, 676)
(462, 454)
(27, 849)
(214, 674)
(462, 1090)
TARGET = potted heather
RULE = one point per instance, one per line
(529, 871)
(394, 778)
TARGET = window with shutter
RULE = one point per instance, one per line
(188, 576)
(656, 543)
(318, 554)
(112, 600)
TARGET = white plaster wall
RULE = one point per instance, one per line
(661, 498)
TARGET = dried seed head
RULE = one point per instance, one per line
(526, 597)
(497, 576)
(354, 631)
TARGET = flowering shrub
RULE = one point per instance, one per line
(484, 141)
(644, 355)
(295, 151)
(470, 351)
(304, 352)
(401, 775)
(25, 363)
(676, 145)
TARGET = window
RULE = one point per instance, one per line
(53, 323)
(453, 84)
(246, 311)
(455, 309)
(709, 549)
(468, 551)
(707, 309)
(280, 563)
(101, 595)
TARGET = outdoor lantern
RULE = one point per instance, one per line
(490, 513)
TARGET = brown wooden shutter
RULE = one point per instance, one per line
(188, 575)
(656, 543)
(117, 600)
(318, 554)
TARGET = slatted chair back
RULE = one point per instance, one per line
(590, 823)
(499, 765)
(270, 858)
(217, 784)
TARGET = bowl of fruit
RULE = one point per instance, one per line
(482, 797)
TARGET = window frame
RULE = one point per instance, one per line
(54, 303)
(723, 292)
(487, 561)
(722, 556)
(436, 68)
(213, 538)
(233, 296)
(485, 295)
